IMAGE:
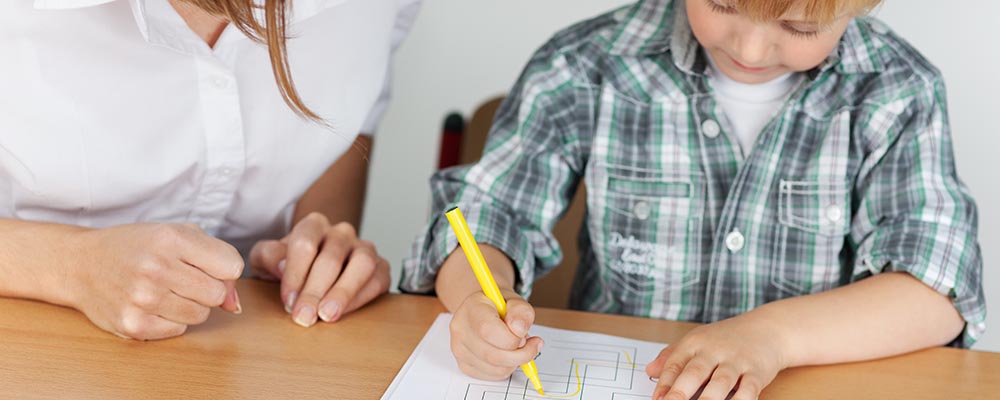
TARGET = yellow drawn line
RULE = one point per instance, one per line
(579, 385)
(579, 382)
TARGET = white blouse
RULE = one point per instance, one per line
(114, 112)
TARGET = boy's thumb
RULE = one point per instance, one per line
(520, 316)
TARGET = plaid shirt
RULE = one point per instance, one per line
(853, 176)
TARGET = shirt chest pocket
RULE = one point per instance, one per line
(647, 223)
(47, 176)
(814, 220)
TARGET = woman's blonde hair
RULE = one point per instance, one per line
(240, 13)
(820, 11)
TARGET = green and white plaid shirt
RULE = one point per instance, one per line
(853, 176)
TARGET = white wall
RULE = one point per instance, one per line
(463, 51)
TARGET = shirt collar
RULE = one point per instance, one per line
(652, 27)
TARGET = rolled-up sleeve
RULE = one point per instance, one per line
(914, 214)
(516, 193)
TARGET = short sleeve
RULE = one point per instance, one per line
(405, 17)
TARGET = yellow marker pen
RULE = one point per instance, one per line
(486, 281)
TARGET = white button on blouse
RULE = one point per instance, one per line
(114, 112)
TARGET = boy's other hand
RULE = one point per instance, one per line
(738, 356)
(487, 347)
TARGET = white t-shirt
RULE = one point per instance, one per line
(749, 106)
(114, 112)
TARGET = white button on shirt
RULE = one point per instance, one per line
(710, 128)
(734, 241)
(114, 112)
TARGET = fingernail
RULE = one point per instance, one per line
(289, 302)
(540, 346)
(519, 328)
(306, 316)
(329, 310)
(239, 307)
(281, 267)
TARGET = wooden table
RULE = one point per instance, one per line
(50, 352)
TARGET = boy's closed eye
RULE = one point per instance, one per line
(805, 30)
(757, 41)
(798, 29)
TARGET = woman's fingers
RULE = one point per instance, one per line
(177, 309)
(303, 245)
(359, 271)
(138, 324)
(377, 286)
(194, 284)
(326, 269)
(267, 259)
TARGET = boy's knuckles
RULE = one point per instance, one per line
(484, 329)
(524, 311)
(750, 385)
(494, 358)
(467, 369)
(672, 369)
(676, 394)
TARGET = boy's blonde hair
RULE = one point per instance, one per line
(819, 11)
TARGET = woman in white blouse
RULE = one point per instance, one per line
(148, 147)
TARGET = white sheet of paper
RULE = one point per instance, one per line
(573, 365)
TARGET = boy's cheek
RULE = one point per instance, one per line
(803, 56)
(800, 54)
(708, 28)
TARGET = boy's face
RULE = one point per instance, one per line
(752, 52)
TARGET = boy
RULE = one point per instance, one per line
(778, 169)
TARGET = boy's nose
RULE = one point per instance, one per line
(752, 46)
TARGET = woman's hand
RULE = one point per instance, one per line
(324, 269)
(741, 354)
(151, 281)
